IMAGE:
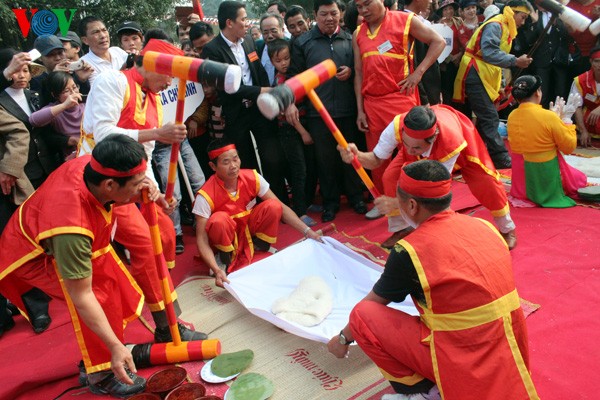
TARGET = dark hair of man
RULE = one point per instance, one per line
(274, 47)
(228, 10)
(271, 15)
(319, 3)
(281, 7)
(200, 29)
(350, 17)
(517, 3)
(420, 118)
(295, 10)
(83, 24)
(432, 171)
(56, 83)
(156, 33)
(118, 152)
(129, 32)
(389, 3)
(217, 144)
(593, 50)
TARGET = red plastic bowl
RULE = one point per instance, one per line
(189, 391)
(144, 396)
(163, 381)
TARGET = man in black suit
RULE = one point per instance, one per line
(240, 112)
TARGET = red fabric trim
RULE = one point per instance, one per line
(106, 171)
(217, 152)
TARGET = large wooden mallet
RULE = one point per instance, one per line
(271, 104)
(176, 351)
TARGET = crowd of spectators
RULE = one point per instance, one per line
(43, 101)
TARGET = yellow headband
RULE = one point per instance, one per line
(522, 9)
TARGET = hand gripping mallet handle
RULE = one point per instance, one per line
(176, 351)
(316, 101)
(271, 104)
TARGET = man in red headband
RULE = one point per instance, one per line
(127, 103)
(436, 133)
(59, 241)
(228, 217)
(469, 341)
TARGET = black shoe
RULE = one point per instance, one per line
(503, 162)
(225, 257)
(41, 323)
(260, 244)
(14, 311)
(328, 215)
(360, 207)
(83, 380)
(179, 246)
(7, 325)
(163, 335)
(114, 387)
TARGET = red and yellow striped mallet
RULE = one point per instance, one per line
(227, 77)
(294, 89)
(316, 101)
(177, 351)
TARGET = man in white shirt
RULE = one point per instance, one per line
(101, 56)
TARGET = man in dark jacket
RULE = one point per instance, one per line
(327, 40)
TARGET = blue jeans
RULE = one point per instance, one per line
(162, 157)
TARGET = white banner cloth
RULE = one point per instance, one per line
(349, 275)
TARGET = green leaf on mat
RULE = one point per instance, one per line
(231, 363)
(251, 386)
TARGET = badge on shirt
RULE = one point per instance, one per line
(385, 47)
(251, 205)
(591, 97)
(252, 57)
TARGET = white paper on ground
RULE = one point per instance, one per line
(349, 275)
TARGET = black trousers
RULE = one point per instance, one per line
(335, 176)
(487, 115)
(268, 145)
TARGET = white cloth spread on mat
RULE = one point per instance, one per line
(349, 275)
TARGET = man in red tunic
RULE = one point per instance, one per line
(385, 81)
(127, 103)
(228, 217)
(587, 115)
(59, 241)
(446, 135)
(470, 340)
